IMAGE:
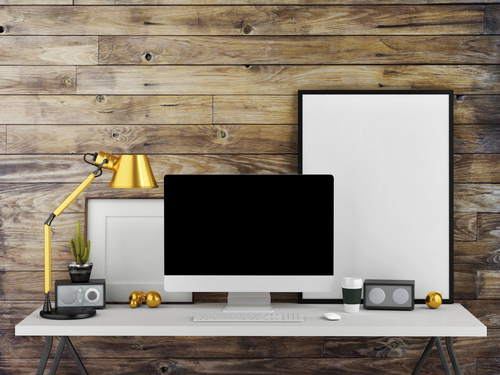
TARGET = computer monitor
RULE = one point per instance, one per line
(248, 233)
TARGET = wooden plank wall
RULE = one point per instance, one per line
(209, 86)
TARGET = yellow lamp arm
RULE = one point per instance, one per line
(47, 232)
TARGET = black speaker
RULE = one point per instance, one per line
(389, 294)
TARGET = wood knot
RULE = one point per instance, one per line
(68, 81)
(247, 29)
(221, 134)
(148, 56)
(100, 98)
(2, 29)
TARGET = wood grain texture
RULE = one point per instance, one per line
(49, 50)
(3, 139)
(37, 80)
(487, 313)
(244, 20)
(72, 169)
(488, 282)
(255, 109)
(267, 366)
(480, 139)
(477, 255)
(488, 225)
(465, 226)
(477, 197)
(153, 139)
(276, 2)
(492, 19)
(479, 168)
(282, 109)
(282, 79)
(477, 109)
(309, 50)
(103, 109)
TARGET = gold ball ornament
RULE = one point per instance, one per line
(153, 299)
(135, 299)
(434, 300)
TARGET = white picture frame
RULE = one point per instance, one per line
(391, 154)
(127, 247)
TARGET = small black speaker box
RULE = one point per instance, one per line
(389, 294)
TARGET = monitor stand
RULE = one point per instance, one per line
(248, 302)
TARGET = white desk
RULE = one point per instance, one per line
(176, 320)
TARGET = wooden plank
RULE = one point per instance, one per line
(26, 286)
(406, 347)
(492, 19)
(465, 226)
(72, 169)
(488, 312)
(29, 256)
(476, 256)
(90, 348)
(49, 50)
(482, 168)
(266, 366)
(28, 227)
(37, 79)
(153, 139)
(488, 225)
(244, 20)
(103, 109)
(488, 286)
(254, 109)
(12, 314)
(44, 197)
(465, 284)
(276, 2)
(480, 139)
(476, 197)
(36, 2)
(282, 79)
(310, 50)
(488, 366)
(3, 139)
(282, 109)
(477, 109)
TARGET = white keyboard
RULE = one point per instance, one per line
(248, 317)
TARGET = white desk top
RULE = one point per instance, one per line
(176, 320)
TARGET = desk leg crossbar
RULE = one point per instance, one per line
(65, 341)
(451, 352)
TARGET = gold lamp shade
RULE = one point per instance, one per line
(132, 172)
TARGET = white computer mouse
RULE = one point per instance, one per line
(332, 316)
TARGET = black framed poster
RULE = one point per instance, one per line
(391, 154)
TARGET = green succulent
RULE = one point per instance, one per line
(78, 249)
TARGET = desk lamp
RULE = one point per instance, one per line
(130, 172)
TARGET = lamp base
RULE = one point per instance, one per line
(66, 313)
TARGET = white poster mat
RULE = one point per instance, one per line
(390, 158)
(127, 247)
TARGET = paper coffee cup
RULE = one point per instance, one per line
(351, 293)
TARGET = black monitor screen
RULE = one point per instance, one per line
(275, 225)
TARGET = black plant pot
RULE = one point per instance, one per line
(79, 273)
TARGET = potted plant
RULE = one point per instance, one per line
(80, 269)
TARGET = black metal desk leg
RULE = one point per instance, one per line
(57, 357)
(442, 355)
(424, 356)
(45, 355)
(453, 356)
(75, 356)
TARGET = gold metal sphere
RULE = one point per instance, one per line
(434, 300)
(135, 299)
(153, 299)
